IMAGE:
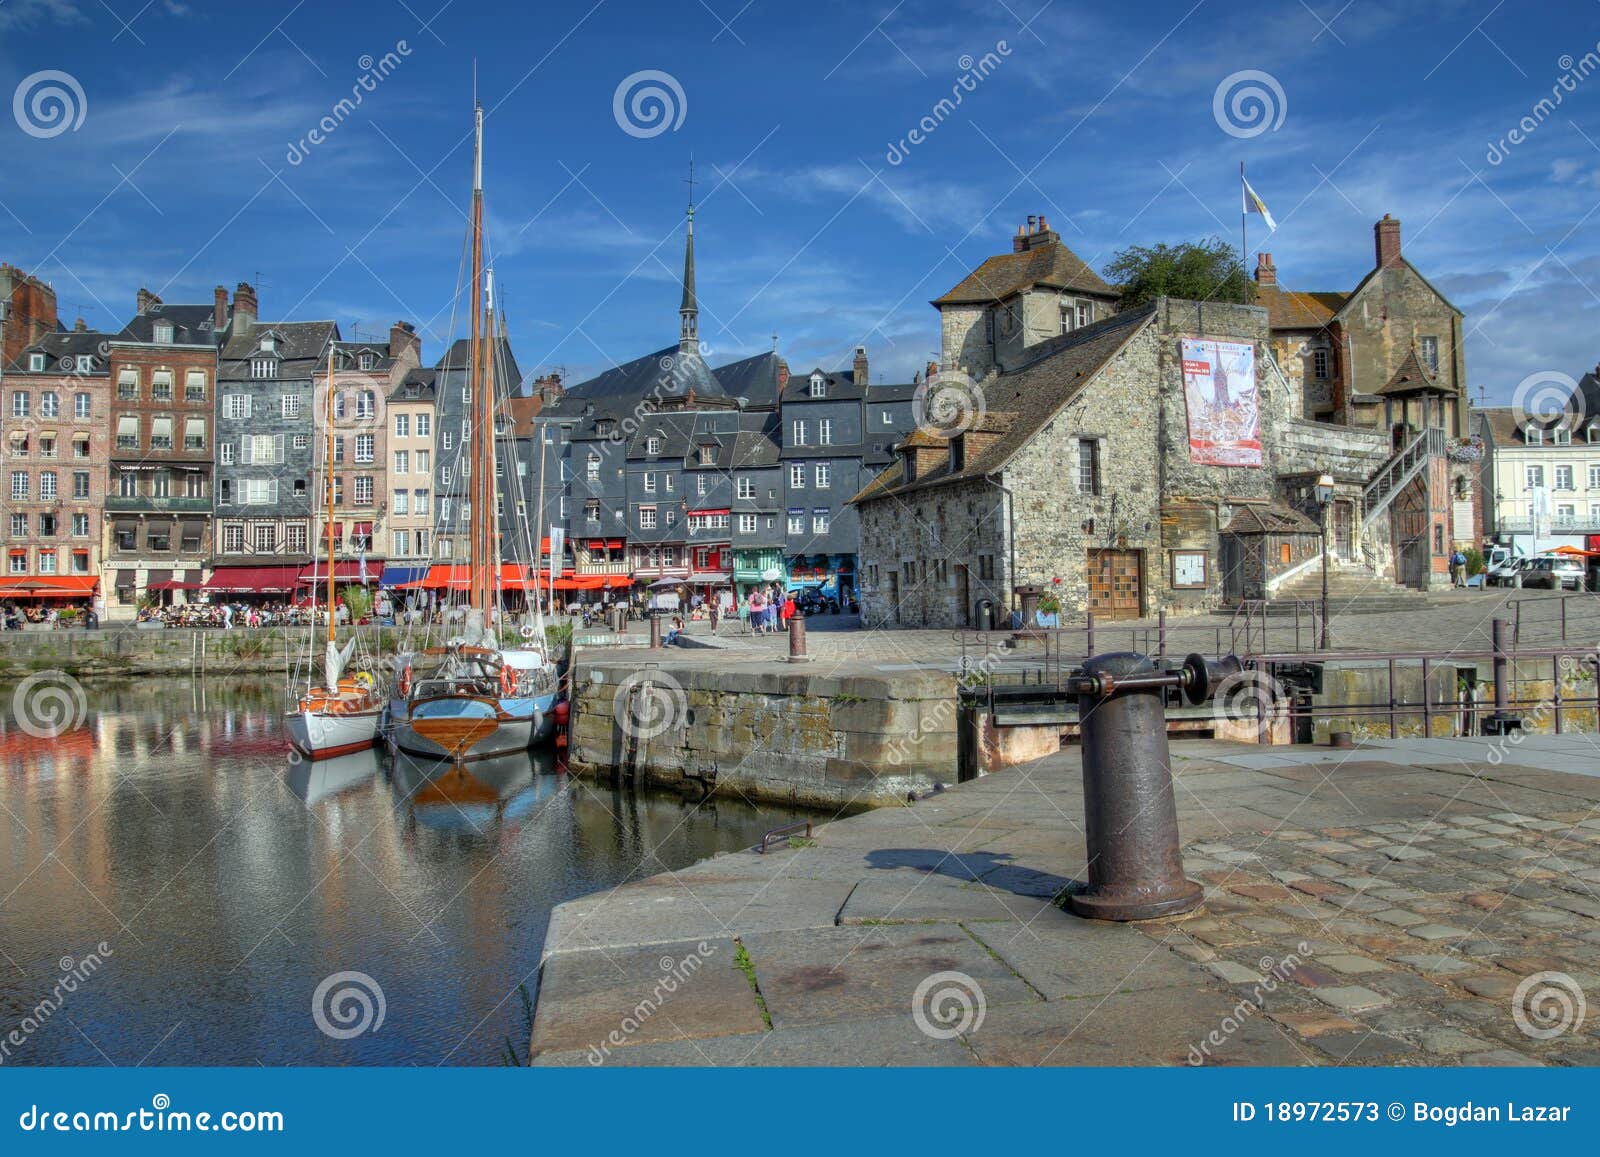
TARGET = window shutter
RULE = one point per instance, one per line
(246, 458)
(277, 448)
(272, 491)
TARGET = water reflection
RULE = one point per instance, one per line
(229, 881)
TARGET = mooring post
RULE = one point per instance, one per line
(655, 632)
(1502, 721)
(797, 638)
(1130, 817)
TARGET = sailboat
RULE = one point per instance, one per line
(342, 715)
(472, 697)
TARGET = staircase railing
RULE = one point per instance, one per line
(1398, 472)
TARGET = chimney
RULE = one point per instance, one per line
(548, 387)
(80, 326)
(219, 311)
(1387, 233)
(1031, 220)
(1266, 272)
(402, 338)
(1019, 243)
(244, 305)
(860, 365)
(147, 300)
(1044, 226)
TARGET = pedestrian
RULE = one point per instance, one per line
(788, 611)
(1458, 569)
(757, 606)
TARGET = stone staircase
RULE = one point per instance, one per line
(1351, 590)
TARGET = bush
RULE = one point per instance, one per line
(1475, 563)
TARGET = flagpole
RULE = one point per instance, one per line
(1244, 214)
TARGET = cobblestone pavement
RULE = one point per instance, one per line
(1406, 903)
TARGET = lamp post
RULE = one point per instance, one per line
(1324, 495)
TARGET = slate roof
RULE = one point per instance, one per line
(1273, 519)
(1005, 274)
(191, 324)
(418, 385)
(458, 358)
(662, 374)
(1032, 393)
(68, 344)
(753, 378)
(754, 449)
(349, 354)
(841, 387)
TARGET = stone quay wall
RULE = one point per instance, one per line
(813, 738)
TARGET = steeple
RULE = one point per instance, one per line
(689, 311)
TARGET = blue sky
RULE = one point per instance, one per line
(1099, 116)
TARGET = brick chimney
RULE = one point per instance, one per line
(219, 311)
(1387, 235)
(549, 387)
(1038, 233)
(1266, 272)
(403, 338)
(860, 366)
(783, 373)
(1019, 243)
(147, 300)
(244, 305)
(80, 326)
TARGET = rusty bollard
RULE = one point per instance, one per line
(797, 638)
(655, 632)
(1130, 817)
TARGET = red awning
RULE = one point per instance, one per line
(613, 581)
(50, 587)
(605, 544)
(253, 580)
(718, 510)
(448, 576)
(343, 572)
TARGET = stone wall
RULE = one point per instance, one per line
(788, 735)
(910, 575)
(1395, 310)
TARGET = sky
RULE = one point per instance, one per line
(185, 152)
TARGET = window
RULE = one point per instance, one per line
(232, 538)
(49, 404)
(161, 386)
(291, 405)
(161, 433)
(708, 455)
(422, 542)
(47, 447)
(363, 490)
(85, 363)
(225, 454)
(19, 562)
(419, 501)
(1088, 466)
(80, 485)
(402, 425)
(82, 406)
(747, 524)
(47, 562)
(445, 474)
(261, 450)
(652, 445)
(402, 462)
(128, 484)
(797, 522)
(159, 537)
(366, 404)
(364, 447)
(19, 525)
(447, 442)
(400, 503)
(47, 485)
(819, 386)
(264, 368)
(161, 333)
(423, 458)
(566, 434)
(80, 562)
(258, 491)
(236, 406)
(400, 542)
(649, 483)
(296, 533)
(1594, 477)
(36, 363)
(797, 432)
(747, 488)
(47, 526)
(19, 485)
(194, 386)
(1533, 435)
(1561, 436)
(266, 538)
(366, 361)
(302, 441)
(1430, 354)
(647, 518)
(1535, 477)
(797, 477)
(825, 432)
(21, 403)
(424, 425)
(985, 567)
(194, 433)
(824, 475)
(80, 445)
(1319, 364)
(591, 510)
(672, 517)
(669, 482)
(1566, 512)
(1564, 478)
(592, 468)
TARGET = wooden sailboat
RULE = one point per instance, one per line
(342, 715)
(473, 698)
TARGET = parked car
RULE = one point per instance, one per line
(812, 601)
(1553, 571)
(1501, 566)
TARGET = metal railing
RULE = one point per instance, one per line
(1572, 618)
(1400, 470)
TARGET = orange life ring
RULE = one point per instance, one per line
(508, 681)
(405, 681)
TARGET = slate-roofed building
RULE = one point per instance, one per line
(264, 492)
(159, 529)
(54, 429)
(411, 409)
(453, 438)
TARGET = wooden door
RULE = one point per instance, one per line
(1116, 584)
(1344, 543)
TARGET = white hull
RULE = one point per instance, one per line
(325, 736)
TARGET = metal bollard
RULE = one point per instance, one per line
(1503, 721)
(1130, 817)
(797, 639)
(655, 632)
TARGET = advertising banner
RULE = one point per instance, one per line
(1219, 387)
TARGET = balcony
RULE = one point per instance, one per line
(116, 502)
(1559, 524)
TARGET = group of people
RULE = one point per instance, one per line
(15, 618)
(768, 609)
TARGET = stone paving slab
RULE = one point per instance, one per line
(1360, 910)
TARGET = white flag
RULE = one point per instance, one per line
(1254, 204)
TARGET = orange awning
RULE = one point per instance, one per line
(50, 587)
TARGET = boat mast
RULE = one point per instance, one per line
(476, 582)
(327, 472)
(539, 527)
(487, 481)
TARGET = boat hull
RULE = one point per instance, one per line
(322, 735)
(516, 723)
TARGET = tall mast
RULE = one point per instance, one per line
(476, 561)
(327, 478)
(486, 469)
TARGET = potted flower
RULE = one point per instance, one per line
(1049, 612)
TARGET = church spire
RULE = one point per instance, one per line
(689, 311)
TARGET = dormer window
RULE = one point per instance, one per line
(652, 445)
(366, 361)
(36, 363)
(85, 363)
(819, 386)
(1591, 432)
(269, 344)
(1533, 435)
(163, 333)
(708, 455)
(1561, 436)
(264, 367)
(958, 453)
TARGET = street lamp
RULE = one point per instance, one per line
(1324, 495)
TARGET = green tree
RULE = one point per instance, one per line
(1195, 271)
(357, 601)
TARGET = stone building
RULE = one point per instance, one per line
(27, 312)
(1080, 473)
(158, 523)
(53, 436)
